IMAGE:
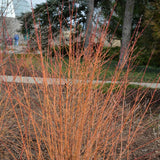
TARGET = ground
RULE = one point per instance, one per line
(14, 106)
(24, 65)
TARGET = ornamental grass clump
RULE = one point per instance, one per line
(72, 118)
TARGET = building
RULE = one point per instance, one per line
(9, 11)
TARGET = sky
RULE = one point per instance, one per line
(10, 12)
(36, 2)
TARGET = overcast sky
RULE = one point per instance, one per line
(36, 1)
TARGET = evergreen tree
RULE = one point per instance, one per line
(54, 13)
(119, 13)
(151, 37)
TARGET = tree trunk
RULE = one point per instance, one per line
(90, 6)
(126, 31)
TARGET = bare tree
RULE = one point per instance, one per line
(126, 31)
(3, 25)
(3, 12)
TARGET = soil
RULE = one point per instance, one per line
(151, 148)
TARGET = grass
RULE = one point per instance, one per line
(108, 69)
(135, 75)
(107, 86)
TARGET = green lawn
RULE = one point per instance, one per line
(135, 75)
(108, 70)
